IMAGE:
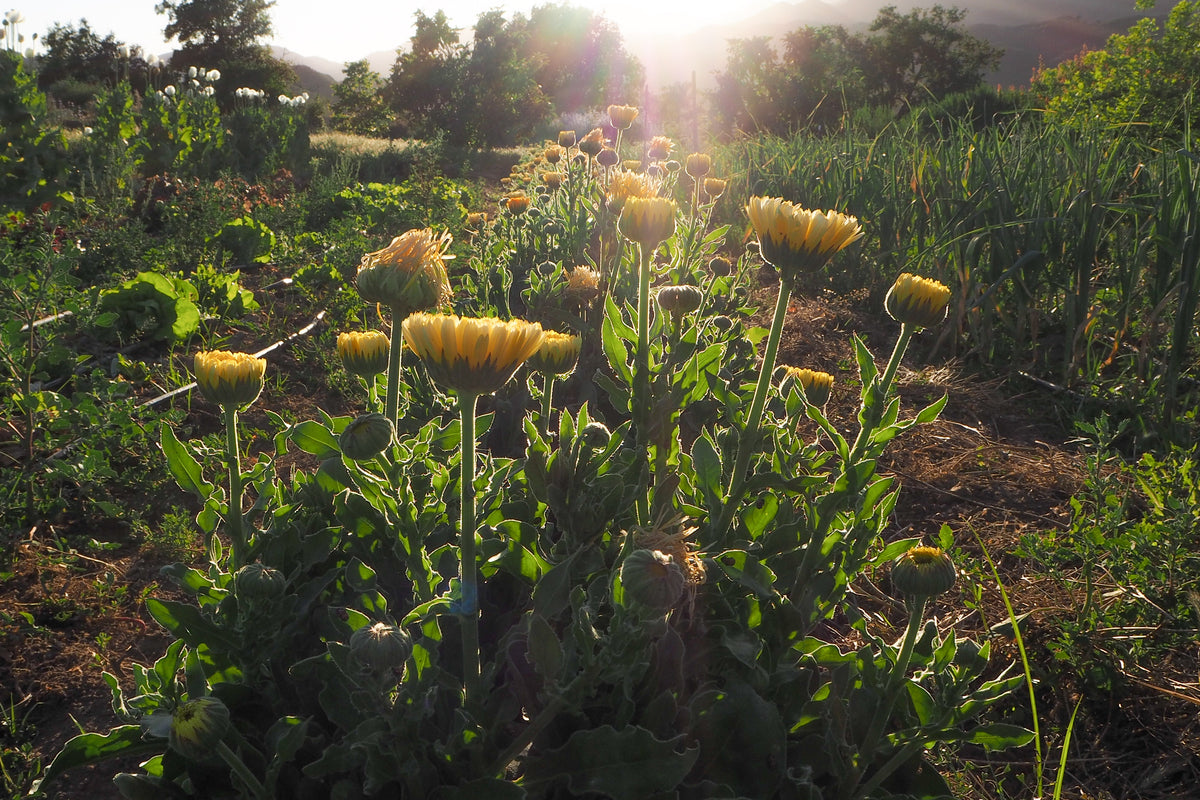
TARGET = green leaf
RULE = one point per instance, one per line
(616, 351)
(923, 702)
(92, 748)
(630, 764)
(707, 462)
(545, 651)
(313, 437)
(183, 465)
(999, 735)
(747, 571)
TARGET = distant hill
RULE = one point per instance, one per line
(1031, 32)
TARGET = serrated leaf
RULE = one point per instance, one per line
(92, 748)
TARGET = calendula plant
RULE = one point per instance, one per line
(652, 597)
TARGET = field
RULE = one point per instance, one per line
(678, 570)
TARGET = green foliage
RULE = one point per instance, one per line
(358, 105)
(32, 158)
(1144, 77)
(246, 241)
(154, 306)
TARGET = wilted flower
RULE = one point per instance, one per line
(593, 143)
(363, 353)
(583, 287)
(468, 355)
(229, 379)
(796, 240)
(647, 221)
(698, 165)
(553, 180)
(660, 147)
(557, 355)
(816, 386)
(622, 117)
(913, 300)
(409, 274)
(624, 185)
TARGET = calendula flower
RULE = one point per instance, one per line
(647, 221)
(679, 300)
(817, 386)
(583, 287)
(557, 355)
(624, 185)
(553, 180)
(622, 117)
(632, 165)
(476, 220)
(566, 138)
(468, 355)
(714, 188)
(796, 240)
(409, 274)
(552, 154)
(229, 379)
(593, 143)
(607, 157)
(197, 727)
(923, 572)
(660, 147)
(913, 300)
(363, 353)
(517, 204)
(698, 165)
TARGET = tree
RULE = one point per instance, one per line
(226, 34)
(426, 86)
(503, 94)
(76, 63)
(582, 62)
(358, 105)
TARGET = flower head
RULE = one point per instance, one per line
(409, 274)
(363, 353)
(583, 287)
(553, 154)
(624, 185)
(913, 300)
(622, 117)
(517, 203)
(552, 180)
(557, 355)
(197, 726)
(796, 240)
(593, 143)
(229, 379)
(816, 386)
(647, 221)
(468, 355)
(923, 572)
(660, 147)
(714, 188)
(607, 157)
(566, 138)
(698, 165)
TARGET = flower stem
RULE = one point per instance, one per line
(641, 376)
(878, 397)
(233, 516)
(242, 771)
(468, 577)
(393, 382)
(749, 438)
(547, 404)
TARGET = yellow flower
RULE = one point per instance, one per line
(924, 572)
(229, 379)
(622, 117)
(583, 287)
(557, 355)
(647, 221)
(364, 354)
(553, 180)
(517, 204)
(797, 240)
(566, 138)
(624, 185)
(714, 188)
(477, 219)
(468, 355)
(553, 154)
(913, 300)
(409, 274)
(660, 147)
(593, 143)
(816, 386)
(632, 165)
(698, 165)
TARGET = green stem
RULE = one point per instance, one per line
(895, 682)
(468, 577)
(749, 438)
(641, 376)
(241, 770)
(547, 403)
(233, 516)
(880, 392)
(393, 383)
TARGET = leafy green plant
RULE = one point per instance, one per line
(246, 241)
(153, 305)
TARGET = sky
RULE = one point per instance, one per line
(351, 29)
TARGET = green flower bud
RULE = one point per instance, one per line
(679, 300)
(652, 579)
(256, 582)
(366, 437)
(380, 651)
(197, 726)
(596, 435)
(923, 572)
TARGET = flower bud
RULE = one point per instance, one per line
(714, 188)
(231, 380)
(364, 354)
(366, 437)
(720, 266)
(593, 143)
(652, 579)
(557, 355)
(698, 165)
(595, 435)
(622, 117)
(648, 221)
(197, 727)
(815, 386)
(607, 157)
(256, 582)
(923, 572)
(380, 651)
(913, 300)
(679, 300)
(566, 138)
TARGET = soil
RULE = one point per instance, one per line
(997, 466)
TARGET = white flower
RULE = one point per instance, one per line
(154, 62)
(29, 52)
(123, 51)
(213, 75)
(14, 17)
(209, 91)
(192, 72)
(169, 91)
(283, 99)
(159, 94)
(87, 130)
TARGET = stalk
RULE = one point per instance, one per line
(547, 403)
(882, 389)
(468, 577)
(749, 438)
(396, 349)
(241, 770)
(233, 517)
(641, 377)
